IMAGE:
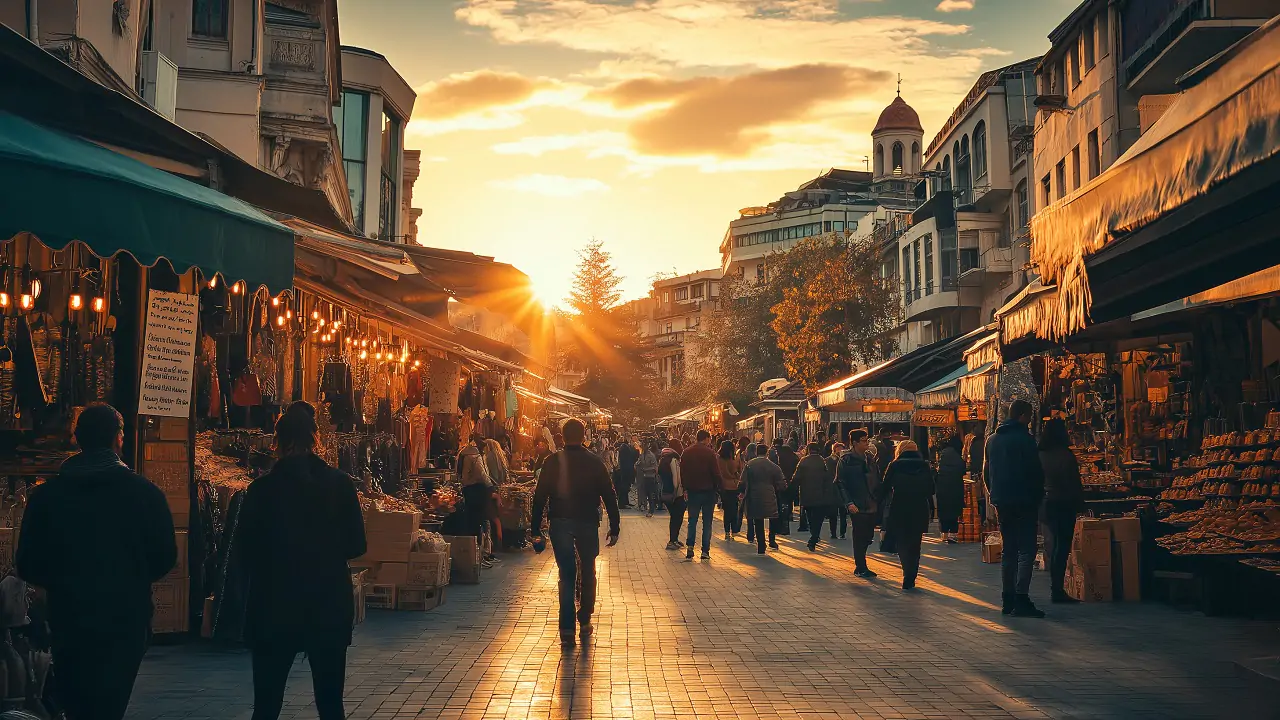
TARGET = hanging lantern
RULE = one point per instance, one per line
(321, 321)
(417, 363)
(213, 282)
(237, 288)
(275, 302)
(364, 354)
(364, 342)
(315, 314)
(27, 291)
(279, 321)
(289, 313)
(99, 304)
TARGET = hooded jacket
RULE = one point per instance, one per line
(762, 481)
(815, 483)
(908, 485)
(299, 581)
(647, 465)
(1013, 472)
(95, 537)
(472, 468)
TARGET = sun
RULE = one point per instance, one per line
(546, 292)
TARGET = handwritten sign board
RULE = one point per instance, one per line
(169, 354)
(933, 418)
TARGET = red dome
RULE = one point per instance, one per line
(898, 116)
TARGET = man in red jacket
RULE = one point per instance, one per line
(700, 475)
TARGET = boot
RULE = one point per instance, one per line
(1023, 607)
(1006, 605)
(1061, 597)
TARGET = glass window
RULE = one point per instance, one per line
(906, 274)
(897, 159)
(389, 205)
(698, 291)
(980, 150)
(1061, 172)
(682, 294)
(352, 122)
(666, 297)
(915, 257)
(1075, 167)
(1087, 38)
(1095, 155)
(715, 290)
(826, 226)
(928, 264)
(1045, 196)
(838, 226)
(1020, 193)
(209, 18)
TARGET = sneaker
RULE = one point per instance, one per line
(567, 639)
(728, 537)
(908, 586)
(1060, 597)
(705, 556)
(494, 559)
(689, 555)
(648, 514)
(759, 551)
(773, 544)
(812, 546)
(586, 631)
(1006, 604)
(842, 536)
(1023, 607)
(673, 545)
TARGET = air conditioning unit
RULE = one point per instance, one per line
(160, 83)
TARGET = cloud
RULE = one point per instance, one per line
(471, 92)
(732, 116)
(953, 5)
(598, 143)
(551, 185)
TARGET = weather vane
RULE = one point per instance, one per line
(899, 84)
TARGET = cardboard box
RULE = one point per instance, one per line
(180, 569)
(1125, 529)
(393, 573)
(1089, 584)
(388, 536)
(1091, 543)
(1126, 576)
(420, 599)
(464, 554)
(169, 599)
(992, 548)
(392, 523)
(428, 569)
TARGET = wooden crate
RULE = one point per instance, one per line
(381, 597)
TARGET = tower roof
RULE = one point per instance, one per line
(898, 116)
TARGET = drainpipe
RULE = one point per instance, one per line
(33, 24)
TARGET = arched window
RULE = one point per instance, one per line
(964, 165)
(915, 158)
(879, 160)
(946, 172)
(980, 150)
(897, 159)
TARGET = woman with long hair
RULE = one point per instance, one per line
(908, 487)
(299, 597)
(672, 491)
(1063, 500)
(731, 476)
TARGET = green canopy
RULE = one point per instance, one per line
(62, 189)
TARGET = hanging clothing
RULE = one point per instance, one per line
(420, 427)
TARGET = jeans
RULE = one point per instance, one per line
(755, 527)
(839, 513)
(817, 518)
(575, 542)
(1018, 530)
(271, 674)
(1059, 527)
(676, 509)
(864, 529)
(729, 506)
(804, 520)
(95, 674)
(909, 554)
(701, 502)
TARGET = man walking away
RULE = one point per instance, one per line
(647, 470)
(841, 513)
(700, 474)
(762, 481)
(96, 569)
(575, 481)
(817, 490)
(856, 478)
(1016, 483)
(787, 459)
(628, 455)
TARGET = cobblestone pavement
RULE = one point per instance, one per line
(791, 635)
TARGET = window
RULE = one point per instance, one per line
(1095, 155)
(352, 121)
(1104, 42)
(838, 226)
(915, 158)
(1087, 40)
(980, 150)
(1020, 194)
(1059, 84)
(668, 328)
(682, 293)
(1045, 196)
(928, 264)
(906, 274)
(879, 160)
(715, 289)
(209, 18)
(947, 246)
(666, 298)
(1073, 65)
(1075, 167)
(946, 173)
(915, 257)
(897, 159)
(742, 271)
(698, 291)
(389, 204)
(1061, 172)
(760, 272)
(826, 226)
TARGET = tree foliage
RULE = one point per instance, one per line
(835, 310)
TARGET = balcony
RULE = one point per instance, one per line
(932, 302)
(671, 339)
(1159, 50)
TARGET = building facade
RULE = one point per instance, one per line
(670, 320)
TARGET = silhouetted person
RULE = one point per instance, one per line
(1015, 479)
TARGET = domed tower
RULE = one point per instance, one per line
(897, 141)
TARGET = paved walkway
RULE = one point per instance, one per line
(790, 635)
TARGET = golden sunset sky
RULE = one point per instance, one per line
(649, 123)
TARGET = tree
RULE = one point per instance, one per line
(603, 338)
(835, 310)
(738, 344)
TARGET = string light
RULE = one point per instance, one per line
(289, 313)
(99, 305)
(364, 354)
(315, 314)
(77, 301)
(417, 363)
(275, 302)
(364, 342)
(213, 282)
(321, 322)
(349, 341)
(279, 321)
(4, 299)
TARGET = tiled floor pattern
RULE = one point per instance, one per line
(788, 636)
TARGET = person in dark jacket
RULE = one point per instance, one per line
(816, 489)
(672, 492)
(908, 485)
(1063, 501)
(574, 481)
(762, 482)
(730, 480)
(840, 515)
(628, 455)
(1015, 484)
(858, 483)
(95, 537)
(786, 458)
(700, 475)
(299, 580)
(950, 488)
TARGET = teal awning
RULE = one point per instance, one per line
(62, 189)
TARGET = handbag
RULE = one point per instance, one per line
(247, 392)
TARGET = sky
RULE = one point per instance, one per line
(647, 124)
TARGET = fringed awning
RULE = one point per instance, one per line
(1033, 312)
(983, 352)
(1213, 132)
(978, 385)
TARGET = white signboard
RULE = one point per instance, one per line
(169, 354)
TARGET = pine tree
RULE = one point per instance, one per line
(596, 284)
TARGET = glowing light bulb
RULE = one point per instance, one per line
(364, 354)
(417, 363)
(4, 299)
(336, 325)
(275, 302)
(316, 331)
(315, 314)
(213, 282)
(321, 321)
(77, 301)
(36, 288)
(99, 305)
(348, 341)
(279, 321)
(26, 301)
(236, 288)
(379, 355)
(288, 314)
(365, 343)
